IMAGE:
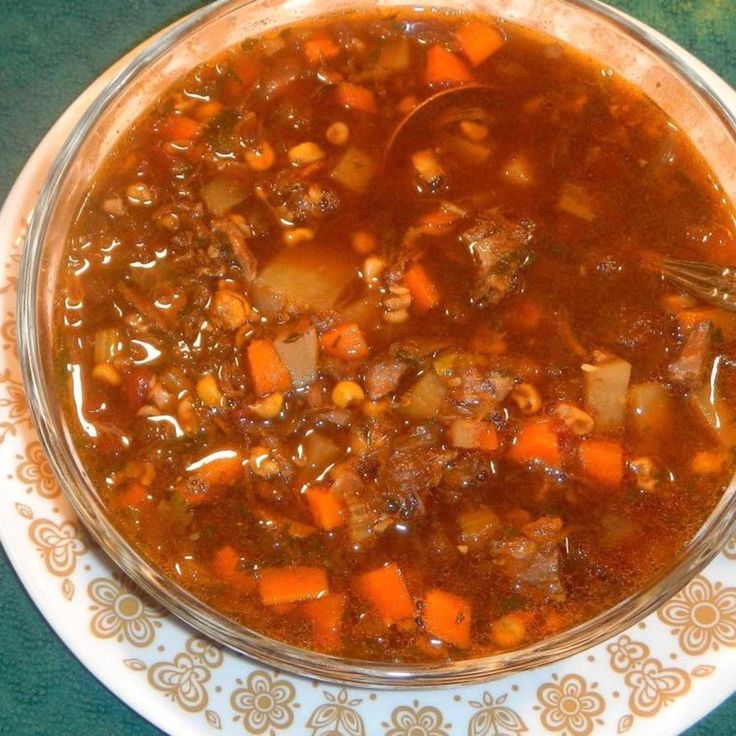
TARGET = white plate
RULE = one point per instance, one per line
(658, 678)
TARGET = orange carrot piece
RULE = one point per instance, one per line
(479, 41)
(438, 223)
(525, 314)
(226, 565)
(246, 69)
(321, 47)
(537, 441)
(424, 292)
(223, 467)
(385, 590)
(473, 434)
(134, 496)
(181, 129)
(268, 372)
(447, 616)
(292, 584)
(345, 341)
(603, 462)
(355, 97)
(326, 616)
(327, 508)
(444, 66)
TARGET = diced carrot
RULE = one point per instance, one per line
(326, 616)
(355, 97)
(385, 590)
(345, 341)
(321, 47)
(424, 292)
(721, 319)
(447, 616)
(268, 372)
(444, 66)
(134, 496)
(327, 508)
(226, 565)
(298, 530)
(537, 442)
(438, 222)
(525, 314)
(603, 461)
(473, 434)
(479, 41)
(292, 584)
(208, 110)
(207, 476)
(246, 69)
(181, 129)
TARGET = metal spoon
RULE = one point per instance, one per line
(708, 281)
(469, 102)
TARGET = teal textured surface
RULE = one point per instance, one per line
(50, 50)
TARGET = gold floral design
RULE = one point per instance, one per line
(654, 686)
(13, 405)
(569, 706)
(625, 653)
(8, 334)
(411, 720)
(59, 545)
(730, 549)
(205, 651)
(122, 613)
(183, 681)
(36, 472)
(493, 718)
(337, 716)
(264, 702)
(703, 615)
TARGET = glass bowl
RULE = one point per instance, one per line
(691, 95)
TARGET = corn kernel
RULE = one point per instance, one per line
(106, 373)
(230, 309)
(473, 131)
(508, 631)
(337, 134)
(298, 235)
(364, 242)
(209, 391)
(374, 409)
(347, 392)
(261, 158)
(527, 398)
(269, 407)
(305, 153)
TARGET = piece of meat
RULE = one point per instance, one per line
(690, 366)
(500, 248)
(417, 349)
(475, 387)
(532, 560)
(297, 201)
(239, 246)
(410, 471)
(382, 376)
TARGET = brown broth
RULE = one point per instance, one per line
(571, 180)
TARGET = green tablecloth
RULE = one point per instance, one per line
(49, 51)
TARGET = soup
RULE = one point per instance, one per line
(388, 373)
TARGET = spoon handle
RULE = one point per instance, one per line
(710, 282)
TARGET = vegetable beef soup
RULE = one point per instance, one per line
(401, 392)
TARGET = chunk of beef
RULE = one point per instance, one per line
(410, 471)
(500, 249)
(690, 366)
(239, 246)
(475, 387)
(382, 376)
(418, 349)
(532, 560)
(298, 201)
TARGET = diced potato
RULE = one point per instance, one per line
(281, 285)
(395, 56)
(577, 202)
(477, 526)
(650, 409)
(222, 193)
(299, 352)
(716, 413)
(354, 170)
(605, 387)
(425, 399)
(466, 150)
(518, 170)
(319, 453)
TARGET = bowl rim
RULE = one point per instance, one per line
(340, 670)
